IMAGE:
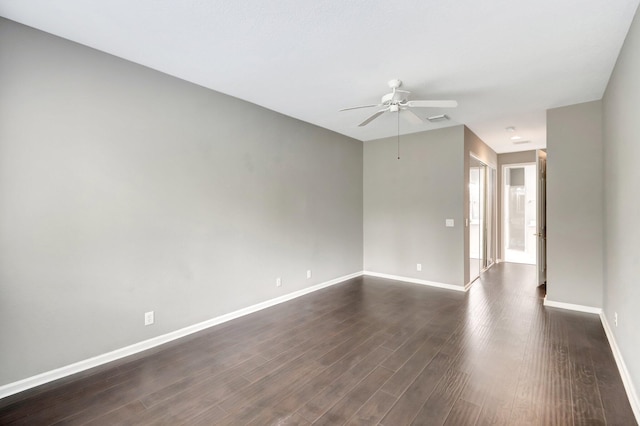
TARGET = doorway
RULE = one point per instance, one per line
(519, 211)
(482, 181)
(541, 218)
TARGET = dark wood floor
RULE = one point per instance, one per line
(364, 352)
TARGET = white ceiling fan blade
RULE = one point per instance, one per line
(360, 106)
(432, 104)
(373, 117)
(412, 117)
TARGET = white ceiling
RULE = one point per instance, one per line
(504, 61)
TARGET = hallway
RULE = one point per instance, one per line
(555, 366)
(368, 351)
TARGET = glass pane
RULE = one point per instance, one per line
(520, 214)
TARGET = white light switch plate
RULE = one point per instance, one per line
(449, 223)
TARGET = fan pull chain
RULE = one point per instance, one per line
(398, 134)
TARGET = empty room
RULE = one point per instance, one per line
(328, 213)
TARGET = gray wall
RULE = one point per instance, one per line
(124, 190)
(503, 159)
(575, 204)
(621, 104)
(473, 145)
(406, 203)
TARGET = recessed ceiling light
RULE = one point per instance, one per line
(510, 129)
(516, 138)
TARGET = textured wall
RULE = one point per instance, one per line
(124, 190)
(406, 203)
(575, 204)
(621, 105)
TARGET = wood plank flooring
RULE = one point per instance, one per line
(365, 352)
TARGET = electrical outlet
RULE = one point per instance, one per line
(419, 267)
(615, 318)
(278, 282)
(308, 273)
(148, 318)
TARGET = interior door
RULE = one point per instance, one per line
(541, 216)
(475, 218)
(482, 181)
(489, 217)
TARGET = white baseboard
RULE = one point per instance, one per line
(77, 367)
(572, 307)
(622, 368)
(417, 281)
(468, 285)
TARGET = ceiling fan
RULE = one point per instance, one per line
(398, 100)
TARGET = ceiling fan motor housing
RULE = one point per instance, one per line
(398, 96)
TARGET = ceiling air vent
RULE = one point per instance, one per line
(518, 142)
(436, 118)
